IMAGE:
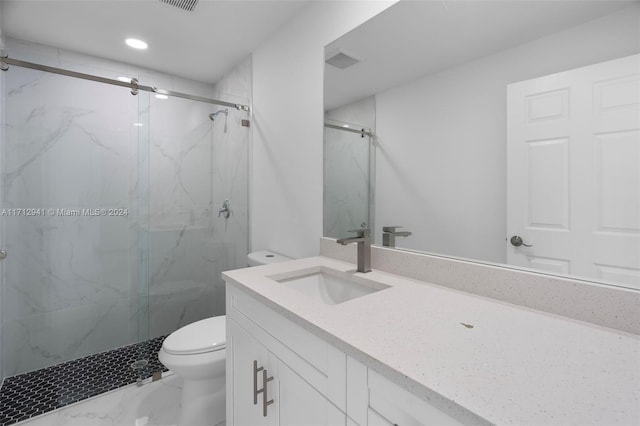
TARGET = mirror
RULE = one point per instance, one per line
(504, 132)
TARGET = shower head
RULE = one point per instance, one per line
(213, 115)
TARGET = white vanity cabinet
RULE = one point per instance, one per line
(309, 381)
(376, 401)
(278, 373)
(242, 352)
(288, 399)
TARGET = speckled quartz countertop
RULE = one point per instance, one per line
(503, 363)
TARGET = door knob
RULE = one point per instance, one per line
(517, 241)
(3, 254)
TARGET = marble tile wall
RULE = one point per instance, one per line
(70, 286)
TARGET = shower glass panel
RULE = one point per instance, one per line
(196, 163)
(72, 170)
(348, 159)
(139, 247)
(118, 215)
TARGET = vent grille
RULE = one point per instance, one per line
(187, 5)
(341, 59)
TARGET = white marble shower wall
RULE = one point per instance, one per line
(347, 157)
(70, 283)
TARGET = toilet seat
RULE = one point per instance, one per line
(207, 335)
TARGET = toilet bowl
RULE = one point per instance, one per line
(196, 353)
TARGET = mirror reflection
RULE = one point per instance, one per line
(349, 157)
(505, 132)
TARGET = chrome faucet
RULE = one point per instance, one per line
(389, 235)
(364, 248)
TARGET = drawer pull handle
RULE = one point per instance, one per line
(265, 399)
(256, 370)
(265, 403)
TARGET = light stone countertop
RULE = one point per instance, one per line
(516, 366)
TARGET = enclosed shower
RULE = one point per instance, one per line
(109, 202)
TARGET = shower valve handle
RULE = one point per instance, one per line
(225, 209)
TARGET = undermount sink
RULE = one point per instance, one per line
(329, 286)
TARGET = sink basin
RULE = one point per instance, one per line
(329, 286)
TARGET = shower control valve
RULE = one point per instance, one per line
(225, 209)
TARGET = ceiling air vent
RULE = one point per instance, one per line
(341, 59)
(187, 5)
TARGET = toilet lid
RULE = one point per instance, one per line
(202, 336)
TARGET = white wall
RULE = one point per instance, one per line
(286, 183)
(441, 160)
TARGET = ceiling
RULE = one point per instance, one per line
(202, 45)
(412, 39)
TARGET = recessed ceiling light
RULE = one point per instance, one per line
(162, 97)
(345, 125)
(136, 44)
(138, 124)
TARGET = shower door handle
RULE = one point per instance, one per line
(3, 254)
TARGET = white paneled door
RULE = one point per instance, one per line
(573, 172)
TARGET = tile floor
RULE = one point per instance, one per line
(37, 392)
(152, 404)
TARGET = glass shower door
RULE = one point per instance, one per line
(70, 181)
(198, 161)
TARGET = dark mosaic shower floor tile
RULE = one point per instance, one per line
(37, 392)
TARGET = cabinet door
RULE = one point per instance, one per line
(243, 408)
(302, 405)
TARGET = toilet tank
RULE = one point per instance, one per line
(264, 257)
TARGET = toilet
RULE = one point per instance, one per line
(196, 353)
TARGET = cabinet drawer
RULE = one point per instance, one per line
(317, 362)
(397, 406)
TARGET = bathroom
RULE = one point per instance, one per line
(159, 264)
